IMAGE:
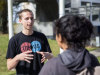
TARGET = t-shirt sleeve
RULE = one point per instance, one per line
(11, 49)
(47, 46)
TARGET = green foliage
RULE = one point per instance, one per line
(3, 16)
(2, 3)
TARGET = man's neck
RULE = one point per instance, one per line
(28, 32)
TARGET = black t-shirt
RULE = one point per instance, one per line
(21, 43)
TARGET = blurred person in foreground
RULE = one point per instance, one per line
(72, 33)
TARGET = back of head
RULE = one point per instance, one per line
(75, 29)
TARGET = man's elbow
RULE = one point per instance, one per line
(9, 65)
(9, 68)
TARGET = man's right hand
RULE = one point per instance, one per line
(25, 56)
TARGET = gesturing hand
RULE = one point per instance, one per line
(45, 55)
(26, 56)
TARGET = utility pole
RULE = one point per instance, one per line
(10, 19)
(61, 12)
(61, 8)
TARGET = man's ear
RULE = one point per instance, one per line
(20, 20)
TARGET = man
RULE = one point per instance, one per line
(25, 45)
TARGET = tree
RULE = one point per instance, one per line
(3, 16)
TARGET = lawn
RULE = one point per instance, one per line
(3, 49)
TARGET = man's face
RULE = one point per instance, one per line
(27, 20)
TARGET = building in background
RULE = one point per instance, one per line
(89, 9)
(47, 11)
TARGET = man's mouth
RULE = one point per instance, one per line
(29, 25)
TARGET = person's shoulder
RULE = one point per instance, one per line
(39, 34)
(49, 67)
(92, 56)
(53, 61)
(50, 64)
(16, 36)
(94, 60)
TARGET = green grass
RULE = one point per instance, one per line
(98, 59)
(92, 48)
(54, 47)
(3, 50)
(8, 73)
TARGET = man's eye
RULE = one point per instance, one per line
(26, 18)
(32, 18)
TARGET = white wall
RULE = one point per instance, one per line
(31, 6)
(44, 27)
(96, 23)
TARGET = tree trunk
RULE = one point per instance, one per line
(4, 19)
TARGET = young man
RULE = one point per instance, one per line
(25, 45)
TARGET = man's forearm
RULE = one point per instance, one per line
(11, 63)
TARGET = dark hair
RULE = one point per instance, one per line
(24, 10)
(75, 29)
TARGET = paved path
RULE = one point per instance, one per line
(96, 52)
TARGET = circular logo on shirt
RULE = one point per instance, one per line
(26, 47)
(36, 46)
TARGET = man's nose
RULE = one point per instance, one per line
(30, 20)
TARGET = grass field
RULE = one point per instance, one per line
(3, 49)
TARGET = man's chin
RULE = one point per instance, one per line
(30, 28)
